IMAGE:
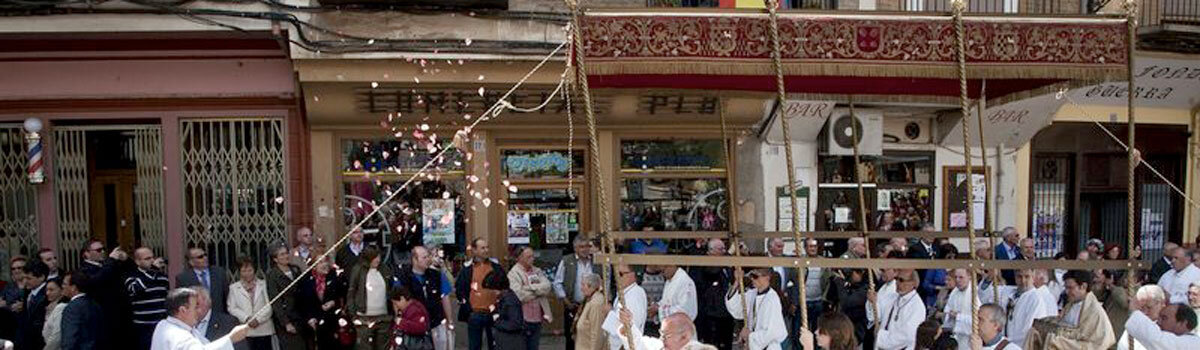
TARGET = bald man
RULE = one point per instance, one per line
(678, 334)
(147, 289)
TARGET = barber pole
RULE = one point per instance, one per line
(34, 142)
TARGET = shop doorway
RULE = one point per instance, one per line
(108, 181)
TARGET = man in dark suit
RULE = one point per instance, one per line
(33, 316)
(347, 256)
(106, 280)
(215, 324)
(1009, 250)
(1163, 264)
(215, 280)
(81, 321)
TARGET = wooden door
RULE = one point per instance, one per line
(112, 208)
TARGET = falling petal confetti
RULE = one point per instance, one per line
(487, 202)
(279, 199)
(480, 78)
(467, 42)
(481, 90)
(374, 84)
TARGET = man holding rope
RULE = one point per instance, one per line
(184, 313)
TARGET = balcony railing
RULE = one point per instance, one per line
(1170, 12)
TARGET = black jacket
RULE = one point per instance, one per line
(711, 285)
(82, 325)
(509, 317)
(107, 288)
(219, 325)
(462, 288)
(310, 303)
(1159, 269)
(284, 310)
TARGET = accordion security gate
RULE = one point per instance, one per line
(18, 198)
(233, 187)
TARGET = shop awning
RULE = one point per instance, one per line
(877, 57)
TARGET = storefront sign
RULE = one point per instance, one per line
(530, 165)
(677, 104)
(805, 118)
(437, 221)
(1159, 82)
(1011, 124)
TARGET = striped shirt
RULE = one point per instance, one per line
(147, 296)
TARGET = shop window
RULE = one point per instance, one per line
(542, 164)
(397, 156)
(897, 189)
(542, 217)
(674, 204)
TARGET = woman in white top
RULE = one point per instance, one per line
(51, 332)
(248, 302)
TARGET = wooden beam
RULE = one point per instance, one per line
(785, 234)
(763, 261)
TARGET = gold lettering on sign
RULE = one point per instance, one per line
(1007, 116)
(793, 110)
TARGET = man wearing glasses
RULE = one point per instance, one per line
(216, 280)
(635, 303)
(902, 312)
(107, 273)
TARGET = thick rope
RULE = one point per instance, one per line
(735, 238)
(961, 39)
(593, 138)
(780, 98)
(987, 189)
(488, 114)
(862, 208)
(1131, 10)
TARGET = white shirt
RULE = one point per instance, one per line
(988, 296)
(356, 248)
(768, 331)
(635, 296)
(1051, 297)
(1010, 346)
(29, 298)
(903, 313)
(959, 302)
(376, 294)
(1123, 344)
(201, 329)
(172, 334)
(887, 292)
(1176, 283)
(1030, 305)
(1072, 316)
(1145, 331)
(582, 268)
(679, 295)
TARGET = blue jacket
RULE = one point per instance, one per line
(82, 325)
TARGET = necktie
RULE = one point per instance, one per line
(204, 279)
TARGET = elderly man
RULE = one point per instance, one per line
(568, 284)
(1027, 249)
(715, 324)
(1176, 281)
(184, 313)
(432, 288)
(902, 312)
(347, 256)
(533, 289)
(1027, 304)
(1009, 250)
(1083, 323)
(147, 288)
(1150, 300)
(1173, 330)
(302, 253)
(991, 328)
(587, 328)
(958, 308)
(1164, 264)
(215, 279)
(214, 324)
(678, 334)
(635, 304)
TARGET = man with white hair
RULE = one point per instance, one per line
(1028, 304)
(1009, 250)
(1176, 281)
(1151, 300)
(587, 326)
(991, 327)
(678, 333)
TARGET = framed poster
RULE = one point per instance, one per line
(437, 221)
(783, 208)
(954, 197)
(557, 228)
(518, 228)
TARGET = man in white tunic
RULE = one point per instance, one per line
(887, 291)
(1173, 330)
(1152, 300)
(635, 302)
(767, 330)
(679, 295)
(678, 333)
(903, 312)
(1182, 275)
(991, 327)
(184, 312)
(1028, 304)
(958, 309)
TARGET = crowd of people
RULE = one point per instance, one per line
(354, 298)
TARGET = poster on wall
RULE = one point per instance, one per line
(784, 208)
(437, 219)
(557, 228)
(954, 198)
(518, 228)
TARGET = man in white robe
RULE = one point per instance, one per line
(679, 295)
(767, 330)
(1181, 276)
(902, 312)
(678, 333)
(175, 332)
(887, 291)
(1152, 300)
(958, 308)
(1028, 304)
(986, 293)
(1053, 291)
(1173, 330)
(991, 327)
(635, 302)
